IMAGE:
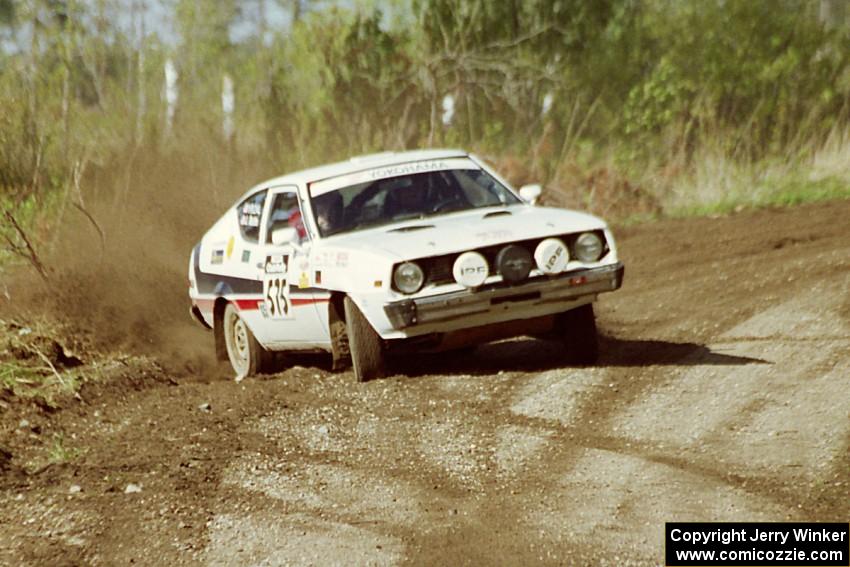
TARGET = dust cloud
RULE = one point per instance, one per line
(120, 277)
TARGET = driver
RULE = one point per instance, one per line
(283, 216)
(406, 200)
(328, 209)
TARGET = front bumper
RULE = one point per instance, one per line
(541, 291)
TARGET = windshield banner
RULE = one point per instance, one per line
(334, 183)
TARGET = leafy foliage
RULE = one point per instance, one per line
(640, 83)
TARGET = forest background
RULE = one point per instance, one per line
(156, 114)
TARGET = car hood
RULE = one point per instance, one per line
(466, 230)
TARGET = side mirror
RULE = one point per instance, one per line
(284, 235)
(530, 193)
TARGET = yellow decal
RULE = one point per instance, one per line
(230, 244)
(304, 280)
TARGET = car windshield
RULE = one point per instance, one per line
(415, 196)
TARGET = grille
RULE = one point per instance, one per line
(438, 269)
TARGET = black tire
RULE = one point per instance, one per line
(461, 352)
(367, 350)
(246, 355)
(577, 328)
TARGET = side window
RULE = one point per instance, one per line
(479, 188)
(250, 210)
(285, 213)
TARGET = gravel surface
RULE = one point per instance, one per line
(722, 393)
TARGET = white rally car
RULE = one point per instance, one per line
(425, 250)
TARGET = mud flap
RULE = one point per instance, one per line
(340, 350)
(218, 322)
(196, 315)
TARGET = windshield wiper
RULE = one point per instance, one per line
(408, 216)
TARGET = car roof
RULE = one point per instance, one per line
(355, 164)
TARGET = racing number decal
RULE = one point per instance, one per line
(276, 296)
(276, 287)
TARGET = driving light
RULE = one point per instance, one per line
(470, 269)
(551, 256)
(588, 247)
(408, 277)
(514, 262)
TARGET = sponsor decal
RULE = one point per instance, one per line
(407, 168)
(217, 257)
(304, 281)
(494, 235)
(327, 185)
(276, 263)
(330, 260)
(250, 213)
(470, 269)
(551, 256)
(231, 241)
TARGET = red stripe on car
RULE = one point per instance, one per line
(247, 304)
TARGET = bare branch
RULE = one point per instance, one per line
(99, 230)
(49, 364)
(30, 253)
(520, 40)
(15, 248)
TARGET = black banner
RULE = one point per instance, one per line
(693, 544)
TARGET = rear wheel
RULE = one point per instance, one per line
(246, 355)
(367, 351)
(577, 328)
(461, 352)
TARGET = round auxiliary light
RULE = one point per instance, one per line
(588, 247)
(470, 269)
(551, 256)
(514, 263)
(408, 277)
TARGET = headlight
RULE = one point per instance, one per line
(588, 247)
(408, 277)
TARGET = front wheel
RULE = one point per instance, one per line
(577, 328)
(247, 356)
(367, 351)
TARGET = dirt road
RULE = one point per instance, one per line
(723, 393)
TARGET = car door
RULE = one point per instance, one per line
(290, 311)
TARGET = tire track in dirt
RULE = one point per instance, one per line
(605, 473)
(587, 484)
(725, 331)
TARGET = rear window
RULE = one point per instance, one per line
(250, 210)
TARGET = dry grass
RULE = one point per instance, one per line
(717, 184)
(710, 182)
